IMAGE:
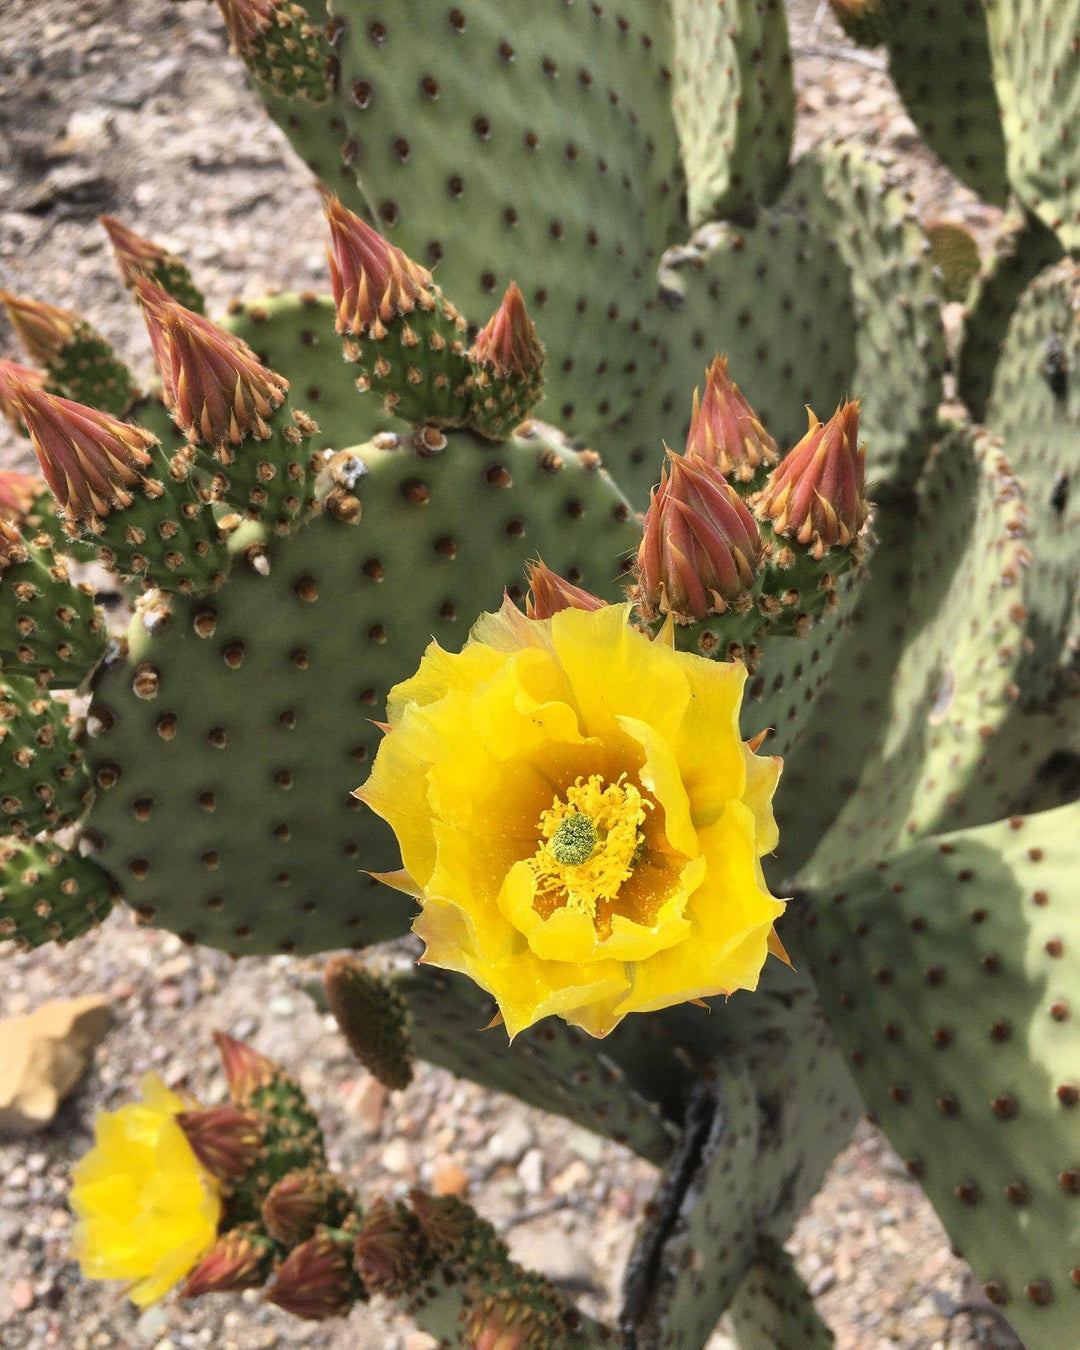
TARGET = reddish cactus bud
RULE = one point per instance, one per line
(316, 1279)
(18, 492)
(135, 256)
(225, 1139)
(240, 1259)
(91, 460)
(724, 429)
(45, 331)
(389, 1253)
(246, 1071)
(816, 495)
(508, 343)
(373, 282)
(138, 257)
(280, 45)
(525, 1313)
(700, 548)
(549, 592)
(302, 1200)
(12, 375)
(493, 1325)
(217, 389)
(453, 1230)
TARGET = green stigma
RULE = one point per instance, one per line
(574, 841)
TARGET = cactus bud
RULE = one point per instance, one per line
(18, 493)
(389, 1253)
(406, 338)
(45, 331)
(372, 1018)
(816, 495)
(225, 1139)
(302, 1200)
(725, 431)
(246, 1071)
(955, 253)
(316, 1280)
(280, 45)
(373, 282)
(217, 389)
(239, 1259)
(12, 375)
(503, 1321)
(91, 460)
(79, 362)
(700, 548)
(508, 362)
(138, 257)
(866, 22)
(454, 1231)
(549, 592)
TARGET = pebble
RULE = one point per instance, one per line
(447, 1178)
(510, 1141)
(531, 1172)
(22, 1295)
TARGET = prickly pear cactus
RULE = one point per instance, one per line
(320, 484)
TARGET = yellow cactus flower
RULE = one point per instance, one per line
(579, 818)
(147, 1208)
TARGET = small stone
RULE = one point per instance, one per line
(531, 1172)
(396, 1159)
(43, 1055)
(572, 1178)
(448, 1178)
(22, 1295)
(510, 1141)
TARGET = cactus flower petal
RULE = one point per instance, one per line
(147, 1208)
(581, 818)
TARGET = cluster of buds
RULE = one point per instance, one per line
(739, 541)
(408, 341)
(291, 1226)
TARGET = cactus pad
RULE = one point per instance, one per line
(230, 737)
(49, 895)
(1021, 253)
(43, 782)
(830, 294)
(940, 61)
(528, 142)
(949, 972)
(773, 1309)
(734, 103)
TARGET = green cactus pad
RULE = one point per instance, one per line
(528, 142)
(553, 1066)
(1036, 63)
(765, 1170)
(225, 762)
(830, 294)
(950, 973)
(53, 633)
(373, 1017)
(698, 1237)
(49, 895)
(774, 1310)
(43, 782)
(89, 371)
(940, 62)
(957, 746)
(1035, 409)
(1025, 247)
(294, 335)
(734, 103)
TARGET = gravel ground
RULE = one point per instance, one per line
(132, 107)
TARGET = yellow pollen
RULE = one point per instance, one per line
(612, 815)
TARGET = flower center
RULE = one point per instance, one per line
(590, 840)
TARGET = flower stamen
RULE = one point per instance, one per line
(591, 841)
